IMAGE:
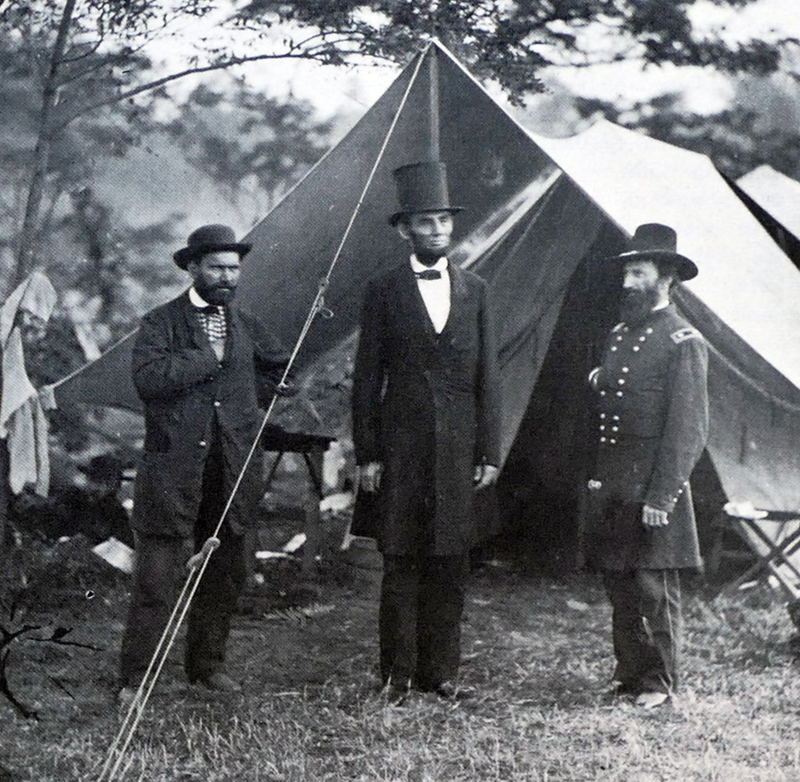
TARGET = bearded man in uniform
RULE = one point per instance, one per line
(652, 428)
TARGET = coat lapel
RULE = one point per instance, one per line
(458, 297)
(190, 322)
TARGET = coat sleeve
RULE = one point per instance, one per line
(368, 379)
(270, 359)
(487, 440)
(686, 424)
(162, 371)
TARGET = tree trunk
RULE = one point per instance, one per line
(41, 154)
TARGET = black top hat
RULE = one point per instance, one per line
(657, 242)
(422, 187)
(209, 239)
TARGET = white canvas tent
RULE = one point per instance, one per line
(774, 200)
(777, 193)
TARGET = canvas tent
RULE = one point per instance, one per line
(774, 200)
(541, 216)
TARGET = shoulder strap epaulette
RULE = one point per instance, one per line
(681, 335)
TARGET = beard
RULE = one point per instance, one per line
(637, 305)
(217, 293)
(429, 257)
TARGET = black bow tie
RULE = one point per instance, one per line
(211, 309)
(428, 274)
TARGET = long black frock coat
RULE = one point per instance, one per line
(652, 428)
(423, 398)
(189, 396)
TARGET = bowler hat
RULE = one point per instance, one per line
(209, 239)
(422, 187)
(658, 242)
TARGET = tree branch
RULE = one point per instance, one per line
(228, 63)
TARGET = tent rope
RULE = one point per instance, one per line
(198, 563)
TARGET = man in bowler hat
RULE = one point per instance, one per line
(202, 368)
(426, 434)
(652, 427)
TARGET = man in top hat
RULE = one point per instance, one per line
(202, 368)
(652, 427)
(426, 434)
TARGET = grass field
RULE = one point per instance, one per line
(536, 649)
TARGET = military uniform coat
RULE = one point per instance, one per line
(652, 428)
(189, 397)
(416, 391)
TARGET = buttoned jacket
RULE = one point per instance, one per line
(190, 397)
(414, 388)
(652, 427)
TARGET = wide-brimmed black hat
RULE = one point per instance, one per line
(209, 239)
(422, 187)
(658, 242)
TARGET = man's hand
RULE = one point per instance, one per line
(369, 476)
(286, 390)
(485, 475)
(653, 517)
(218, 346)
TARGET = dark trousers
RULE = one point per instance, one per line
(5, 493)
(422, 599)
(646, 627)
(159, 575)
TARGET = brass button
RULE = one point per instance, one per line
(635, 348)
(217, 403)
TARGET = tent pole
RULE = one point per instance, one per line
(433, 85)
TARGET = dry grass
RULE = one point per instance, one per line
(537, 651)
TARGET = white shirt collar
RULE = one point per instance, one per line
(440, 265)
(196, 299)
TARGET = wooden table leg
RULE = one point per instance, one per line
(313, 518)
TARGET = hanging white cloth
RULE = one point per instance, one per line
(22, 420)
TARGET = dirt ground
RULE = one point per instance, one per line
(537, 650)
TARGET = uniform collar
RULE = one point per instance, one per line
(652, 315)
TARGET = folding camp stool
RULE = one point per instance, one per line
(777, 554)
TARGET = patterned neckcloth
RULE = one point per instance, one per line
(212, 319)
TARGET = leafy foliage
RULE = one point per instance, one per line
(248, 143)
(511, 42)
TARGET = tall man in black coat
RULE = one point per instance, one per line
(652, 427)
(202, 368)
(426, 434)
